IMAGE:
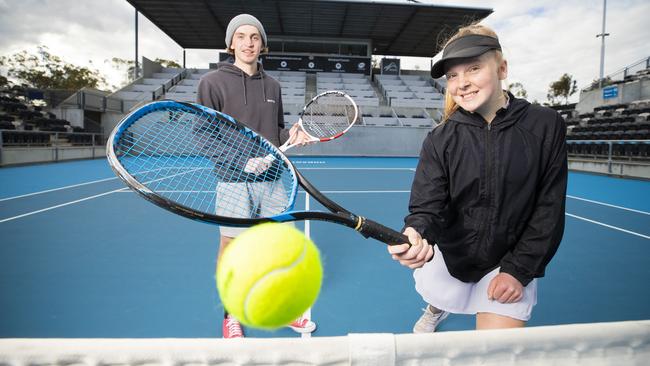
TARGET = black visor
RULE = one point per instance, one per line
(469, 46)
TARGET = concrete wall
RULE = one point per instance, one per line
(628, 92)
(628, 169)
(29, 155)
(149, 67)
(73, 115)
(110, 120)
(370, 141)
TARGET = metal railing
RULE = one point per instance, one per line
(90, 99)
(621, 74)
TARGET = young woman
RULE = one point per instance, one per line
(487, 201)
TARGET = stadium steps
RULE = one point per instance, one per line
(379, 93)
(310, 86)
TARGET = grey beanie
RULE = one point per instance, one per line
(244, 19)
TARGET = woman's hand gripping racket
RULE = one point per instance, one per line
(194, 161)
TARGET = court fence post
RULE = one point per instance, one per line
(609, 157)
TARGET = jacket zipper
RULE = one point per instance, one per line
(485, 223)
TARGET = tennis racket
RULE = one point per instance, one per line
(326, 117)
(203, 164)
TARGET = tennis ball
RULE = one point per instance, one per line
(269, 275)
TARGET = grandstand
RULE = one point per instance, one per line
(306, 57)
(608, 129)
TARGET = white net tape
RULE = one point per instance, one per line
(620, 344)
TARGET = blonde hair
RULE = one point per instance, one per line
(474, 28)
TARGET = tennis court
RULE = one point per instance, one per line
(81, 256)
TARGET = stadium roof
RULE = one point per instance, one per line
(399, 29)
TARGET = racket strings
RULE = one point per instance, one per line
(328, 116)
(200, 161)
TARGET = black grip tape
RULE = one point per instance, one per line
(382, 233)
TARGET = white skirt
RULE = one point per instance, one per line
(443, 291)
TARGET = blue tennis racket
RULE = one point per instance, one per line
(204, 165)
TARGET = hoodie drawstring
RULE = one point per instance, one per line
(243, 84)
(263, 87)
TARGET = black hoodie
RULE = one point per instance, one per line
(254, 100)
(493, 195)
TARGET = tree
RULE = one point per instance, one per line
(128, 68)
(374, 62)
(46, 71)
(3, 81)
(597, 83)
(565, 87)
(517, 89)
(168, 63)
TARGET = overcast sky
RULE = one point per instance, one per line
(541, 39)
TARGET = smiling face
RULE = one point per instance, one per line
(475, 83)
(246, 45)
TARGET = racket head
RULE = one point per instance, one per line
(329, 115)
(192, 160)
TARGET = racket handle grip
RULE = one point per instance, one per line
(382, 233)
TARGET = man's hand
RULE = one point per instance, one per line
(505, 289)
(415, 255)
(298, 137)
(257, 165)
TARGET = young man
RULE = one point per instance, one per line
(244, 91)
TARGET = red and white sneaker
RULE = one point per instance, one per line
(232, 328)
(302, 325)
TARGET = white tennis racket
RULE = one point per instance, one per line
(326, 117)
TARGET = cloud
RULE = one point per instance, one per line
(542, 39)
(545, 39)
(83, 33)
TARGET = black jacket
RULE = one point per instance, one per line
(493, 195)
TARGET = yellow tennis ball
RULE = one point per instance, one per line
(269, 275)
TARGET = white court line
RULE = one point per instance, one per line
(83, 184)
(56, 189)
(307, 313)
(342, 192)
(608, 205)
(107, 179)
(88, 198)
(61, 205)
(607, 226)
(345, 192)
(125, 189)
(409, 169)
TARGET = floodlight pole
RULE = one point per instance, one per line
(602, 45)
(136, 69)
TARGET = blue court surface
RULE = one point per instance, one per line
(82, 257)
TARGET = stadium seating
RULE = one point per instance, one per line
(293, 85)
(358, 86)
(614, 129)
(25, 124)
(149, 88)
(185, 89)
(410, 91)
